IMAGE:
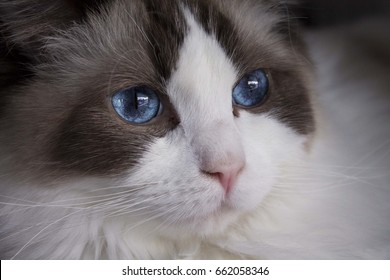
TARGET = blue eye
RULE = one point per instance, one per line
(252, 89)
(136, 105)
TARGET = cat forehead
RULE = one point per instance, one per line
(139, 42)
(150, 34)
(200, 86)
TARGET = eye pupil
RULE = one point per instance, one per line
(136, 105)
(251, 89)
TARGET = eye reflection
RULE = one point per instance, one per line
(253, 85)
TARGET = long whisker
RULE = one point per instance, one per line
(42, 230)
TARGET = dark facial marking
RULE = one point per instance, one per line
(93, 141)
(89, 138)
(166, 29)
(288, 100)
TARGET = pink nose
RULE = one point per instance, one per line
(227, 173)
(228, 178)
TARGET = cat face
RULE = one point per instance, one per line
(203, 156)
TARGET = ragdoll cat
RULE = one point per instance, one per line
(189, 129)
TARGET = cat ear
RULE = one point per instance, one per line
(27, 23)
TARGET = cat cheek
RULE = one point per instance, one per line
(267, 156)
(249, 192)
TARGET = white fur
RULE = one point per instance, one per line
(330, 203)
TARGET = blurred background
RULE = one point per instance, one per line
(321, 13)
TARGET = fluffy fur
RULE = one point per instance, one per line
(77, 182)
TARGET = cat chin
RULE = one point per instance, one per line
(208, 226)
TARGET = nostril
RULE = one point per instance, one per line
(228, 178)
(226, 173)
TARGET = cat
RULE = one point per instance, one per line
(180, 129)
